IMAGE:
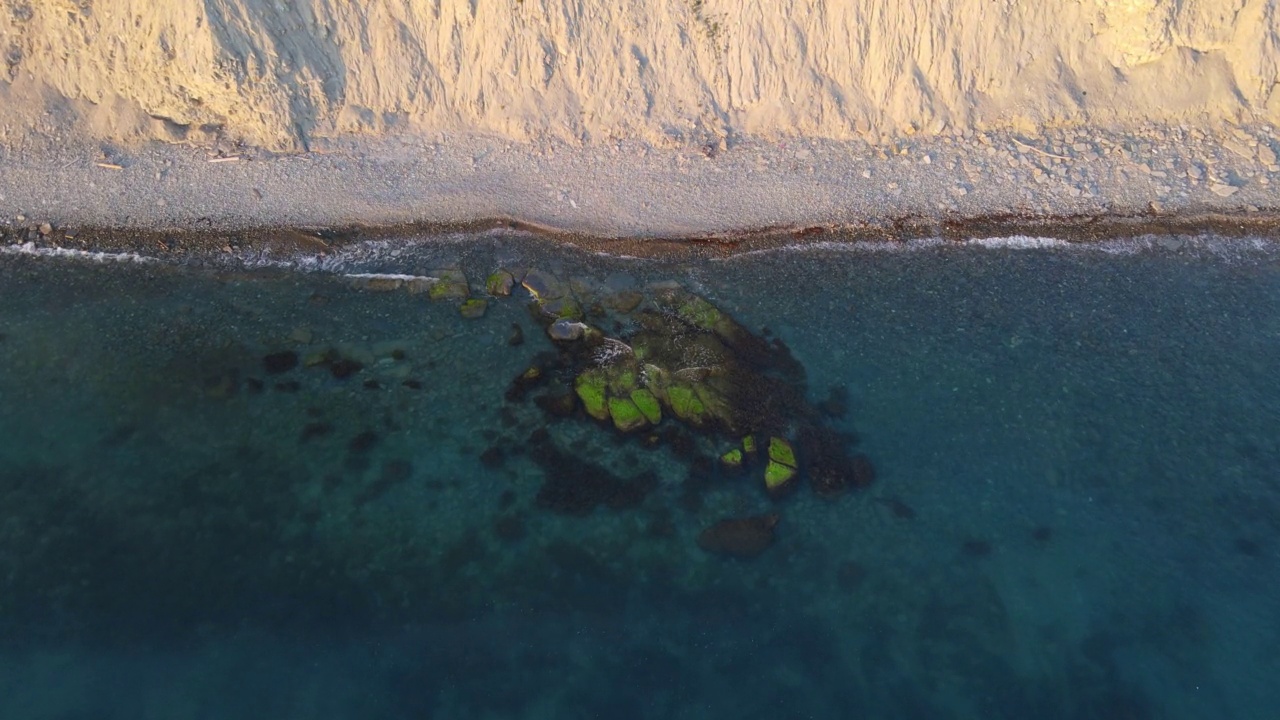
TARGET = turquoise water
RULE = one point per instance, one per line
(1075, 512)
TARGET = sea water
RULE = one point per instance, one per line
(1075, 512)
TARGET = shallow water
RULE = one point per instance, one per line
(1076, 511)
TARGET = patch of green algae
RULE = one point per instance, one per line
(776, 475)
(590, 387)
(780, 452)
(626, 416)
(648, 405)
(686, 404)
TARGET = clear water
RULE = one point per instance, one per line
(1076, 511)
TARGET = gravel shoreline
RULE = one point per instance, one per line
(1074, 178)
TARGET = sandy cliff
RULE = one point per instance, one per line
(632, 116)
(277, 73)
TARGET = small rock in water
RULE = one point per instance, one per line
(566, 330)
(739, 537)
(517, 335)
(474, 308)
(500, 283)
(301, 335)
(343, 368)
(450, 284)
(280, 362)
(1222, 190)
(45, 228)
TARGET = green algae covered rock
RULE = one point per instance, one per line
(561, 308)
(622, 380)
(686, 405)
(732, 459)
(450, 284)
(474, 308)
(777, 477)
(648, 405)
(780, 451)
(499, 284)
(749, 444)
(626, 416)
(700, 313)
(781, 469)
(590, 387)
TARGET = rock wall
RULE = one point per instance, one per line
(277, 73)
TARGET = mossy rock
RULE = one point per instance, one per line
(781, 469)
(474, 308)
(590, 387)
(626, 416)
(451, 284)
(648, 405)
(499, 284)
(700, 313)
(622, 379)
(732, 459)
(686, 405)
(780, 451)
(778, 477)
(749, 444)
(562, 308)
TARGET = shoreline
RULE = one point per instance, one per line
(284, 242)
(1078, 178)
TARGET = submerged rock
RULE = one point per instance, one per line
(739, 537)
(499, 284)
(624, 301)
(474, 308)
(450, 284)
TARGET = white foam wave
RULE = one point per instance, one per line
(1215, 245)
(387, 276)
(31, 249)
(1018, 242)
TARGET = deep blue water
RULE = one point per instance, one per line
(1076, 510)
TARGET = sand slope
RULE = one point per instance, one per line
(279, 73)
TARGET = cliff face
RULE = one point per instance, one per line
(277, 72)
